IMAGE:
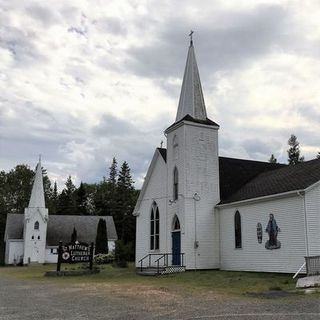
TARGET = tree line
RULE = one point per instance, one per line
(114, 195)
(294, 153)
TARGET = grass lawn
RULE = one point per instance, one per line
(221, 282)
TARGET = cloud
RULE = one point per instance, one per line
(82, 82)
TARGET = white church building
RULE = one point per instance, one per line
(33, 237)
(202, 211)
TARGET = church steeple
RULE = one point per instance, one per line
(37, 194)
(191, 98)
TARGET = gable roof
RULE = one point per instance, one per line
(283, 179)
(60, 227)
(235, 173)
(163, 153)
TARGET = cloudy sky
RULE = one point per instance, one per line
(84, 81)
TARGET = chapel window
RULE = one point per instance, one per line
(175, 147)
(36, 225)
(237, 230)
(154, 228)
(175, 184)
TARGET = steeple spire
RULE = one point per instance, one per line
(191, 98)
(37, 193)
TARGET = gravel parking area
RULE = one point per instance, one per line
(25, 299)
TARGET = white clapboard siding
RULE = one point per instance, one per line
(312, 203)
(155, 191)
(289, 214)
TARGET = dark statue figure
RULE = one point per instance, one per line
(272, 229)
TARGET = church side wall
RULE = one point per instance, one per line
(253, 256)
(51, 254)
(155, 191)
(312, 204)
(14, 251)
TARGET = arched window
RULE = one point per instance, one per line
(175, 145)
(175, 184)
(175, 223)
(154, 227)
(36, 225)
(237, 230)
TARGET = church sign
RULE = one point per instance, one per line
(75, 252)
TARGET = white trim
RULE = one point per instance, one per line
(277, 195)
(312, 186)
(146, 181)
(191, 123)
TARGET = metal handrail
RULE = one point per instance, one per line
(157, 261)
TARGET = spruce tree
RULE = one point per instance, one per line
(318, 155)
(67, 199)
(126, 198)
(102, 237)
(294, 151)
(273, 159)
(113, 173)
(81, 200)
(74, 235)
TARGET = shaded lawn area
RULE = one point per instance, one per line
(223, 282)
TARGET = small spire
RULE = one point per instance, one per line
(191, 97)
(161, 144)
(37, 193)
(190, 35)
(40, 158)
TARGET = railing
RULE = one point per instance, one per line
(313, 265)
(164, 256)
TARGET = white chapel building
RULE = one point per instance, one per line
(33, 237)
(203, 211)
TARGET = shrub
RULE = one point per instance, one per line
(103, 258)
(122, 254)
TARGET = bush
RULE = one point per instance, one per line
(122, 254)
(103, 258)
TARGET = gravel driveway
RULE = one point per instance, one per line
(44, 300)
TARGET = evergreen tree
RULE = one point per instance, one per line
(67, 199)
(318, 155)
(55, 198)
(102, 238)
(126, 198)
(81, 200)
(113, 173)
(294, 151)
(74, 235)
(273, 159)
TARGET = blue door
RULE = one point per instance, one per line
(176, 248)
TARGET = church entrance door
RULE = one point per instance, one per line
(176, 248)
(35, 254)
(176, 242)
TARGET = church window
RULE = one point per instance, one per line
(237, 230)
(154, 228)
(175, 184)
(32, 237)
(38, 237)
(36, 225)
(176, 224)
(175, 147)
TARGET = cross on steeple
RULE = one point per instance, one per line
(190, 35)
